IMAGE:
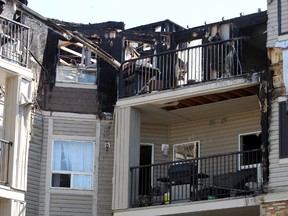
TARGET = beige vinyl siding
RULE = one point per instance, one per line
(218, 135)
(272, 25)
(70, 204)
(34, 165)
(156, 134)
(278, 175)
(105, 169)
(74, 128)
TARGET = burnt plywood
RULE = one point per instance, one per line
(212, 98)
(74, 100)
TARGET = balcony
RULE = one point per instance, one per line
(4, 160)
(191, 65)
(14, 42)
(229, 175)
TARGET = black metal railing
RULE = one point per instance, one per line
(205, 178)
(181, 67)
(14, 41)
(4, 160)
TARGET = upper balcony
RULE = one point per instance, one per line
(14, 50)
(14, 42)
(195, 64)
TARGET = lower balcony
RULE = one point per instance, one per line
(230, 175)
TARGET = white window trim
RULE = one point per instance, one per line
(74, 84)
(258, 165)
(240, 167)
(70, 138)
(195, 142)
(152, 158)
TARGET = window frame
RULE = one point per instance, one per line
(197, 152)
(77, 74)
(240, 149)
(73, 173)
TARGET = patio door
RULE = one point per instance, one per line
(145, 174)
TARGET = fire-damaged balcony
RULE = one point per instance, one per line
(232, 175)
(4, 160)
(183, 67)
(14, 41)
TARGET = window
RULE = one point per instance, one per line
(283, 128)
(72, 164)
(76, 75)
(186, 151)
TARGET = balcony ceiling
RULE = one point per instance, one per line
(201, 107)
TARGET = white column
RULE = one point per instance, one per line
(126, 154)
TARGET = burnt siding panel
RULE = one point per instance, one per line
(107, 90)
(75, 100)
(283, 129)
(34, 165)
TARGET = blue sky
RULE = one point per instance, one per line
(134, 13)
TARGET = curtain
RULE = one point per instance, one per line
(76, 157)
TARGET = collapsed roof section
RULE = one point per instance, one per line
(149, 39)
(73, 39)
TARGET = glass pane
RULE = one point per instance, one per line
(82, 181)
(185, 151)
(66, 75)
(61, 180)
(87, 76)
(72, 156)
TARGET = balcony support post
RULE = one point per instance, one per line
(126, 154)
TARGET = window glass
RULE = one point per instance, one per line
(76, 75)
(87, 76)
(72, 164)
(185, 151)
(82, 181)
(66, 75)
